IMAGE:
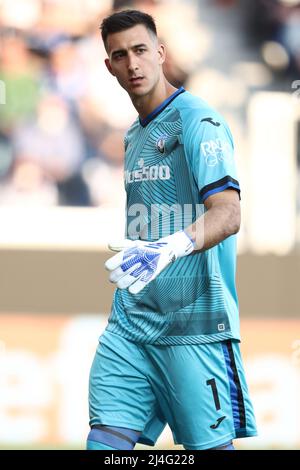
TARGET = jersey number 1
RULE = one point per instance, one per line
(214, 389)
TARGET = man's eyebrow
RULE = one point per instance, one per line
(139, 45)
(124, 50)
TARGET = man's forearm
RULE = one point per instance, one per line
(214, 226)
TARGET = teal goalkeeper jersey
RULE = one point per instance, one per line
(174, 159)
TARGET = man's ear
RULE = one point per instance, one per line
(108, 66)
(161, 53)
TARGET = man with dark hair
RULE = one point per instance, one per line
(124, 20)
(170, 352)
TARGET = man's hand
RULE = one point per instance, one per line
(139, 262)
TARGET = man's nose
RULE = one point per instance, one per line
(132, 63)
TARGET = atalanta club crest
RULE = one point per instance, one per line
(161, 144)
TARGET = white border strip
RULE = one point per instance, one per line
(60, 228)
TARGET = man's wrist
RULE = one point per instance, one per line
(190, 238)
(183, 244)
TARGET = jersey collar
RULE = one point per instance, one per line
(160, 108)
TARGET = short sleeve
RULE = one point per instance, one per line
(209, 150)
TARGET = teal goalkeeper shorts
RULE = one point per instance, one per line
(198, 390)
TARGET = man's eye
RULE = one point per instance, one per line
(140, 51)
(118, 56)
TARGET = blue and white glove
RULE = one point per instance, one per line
(139, 262)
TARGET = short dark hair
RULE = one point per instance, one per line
(126, 19)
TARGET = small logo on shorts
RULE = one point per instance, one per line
(221, 327)
(217, 424)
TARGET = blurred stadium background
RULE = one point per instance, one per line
(62, 121)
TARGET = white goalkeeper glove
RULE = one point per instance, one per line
(139, 262)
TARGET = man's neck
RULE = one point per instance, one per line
(148, 103)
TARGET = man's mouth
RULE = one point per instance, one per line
(136, 80)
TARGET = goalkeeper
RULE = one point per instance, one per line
(170, 352)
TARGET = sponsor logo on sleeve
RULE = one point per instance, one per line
(216, 151)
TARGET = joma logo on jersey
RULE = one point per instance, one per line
(157, 172)
(216, 151)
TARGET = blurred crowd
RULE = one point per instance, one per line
(63, 117)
